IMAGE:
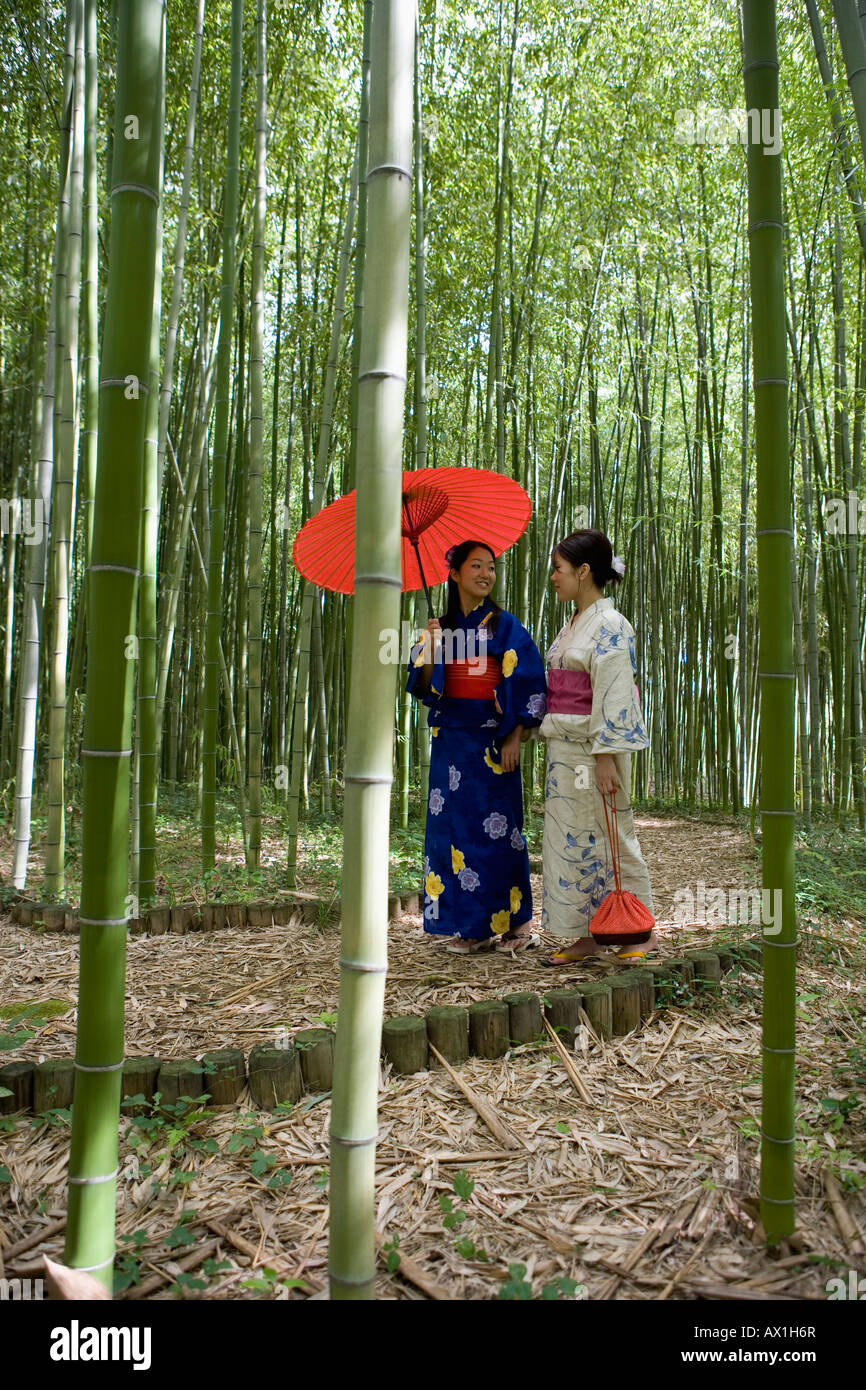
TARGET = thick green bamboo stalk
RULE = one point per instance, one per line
(113, 581)
(257, 333)
(220, 446)
(382, 383)
(776, 659)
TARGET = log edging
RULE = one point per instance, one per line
(180, 918)
(489, 1028)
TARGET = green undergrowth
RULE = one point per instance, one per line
(831, 871)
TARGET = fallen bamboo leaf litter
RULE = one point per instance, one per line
(585, 1201)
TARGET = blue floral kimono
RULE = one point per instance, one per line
(476, 867)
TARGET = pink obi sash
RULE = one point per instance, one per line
(568, 692)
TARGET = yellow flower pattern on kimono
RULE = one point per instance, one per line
(476, 870)
(494, 767)
(433, 884)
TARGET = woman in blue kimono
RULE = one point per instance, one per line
(482, 677)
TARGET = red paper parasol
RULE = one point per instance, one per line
(441, 508)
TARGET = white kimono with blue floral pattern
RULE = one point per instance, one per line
(578, 870)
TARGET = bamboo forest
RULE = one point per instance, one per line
(431, 480)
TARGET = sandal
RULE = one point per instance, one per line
(464, 947)
(639, 951)
(509, 944)
(560, 958)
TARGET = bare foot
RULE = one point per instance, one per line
(640, 948)
(579, 950)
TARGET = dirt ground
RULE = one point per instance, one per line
(648, 1190)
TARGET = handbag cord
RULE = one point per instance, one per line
(613, 837)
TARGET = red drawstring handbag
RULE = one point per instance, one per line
(622, 919)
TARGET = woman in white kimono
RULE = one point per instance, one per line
(592, 726)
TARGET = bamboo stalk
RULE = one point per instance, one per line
(776, 673)
(113, 582)
(378, 581)
(220, 449)
(257, 330)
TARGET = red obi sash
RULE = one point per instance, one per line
(472, 680)
(568, 692)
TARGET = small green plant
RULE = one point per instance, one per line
(210, 1268)
(181, 1235)
(246, 1142)
(518, 1288)
(392, 1254)
(127, 1264)
(454, 1217)
(839, 1110)
(269, 1281)
(60, 1116)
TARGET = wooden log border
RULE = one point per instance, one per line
(492, 1028)
(178, 919)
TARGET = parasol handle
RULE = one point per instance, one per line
(414, 543)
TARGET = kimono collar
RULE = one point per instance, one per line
(480, 614)
(576, 619)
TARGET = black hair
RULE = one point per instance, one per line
(589, 547)
(457, 557)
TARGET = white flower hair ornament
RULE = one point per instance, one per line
(617, 564)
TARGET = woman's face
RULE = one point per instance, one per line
(477, 575)
(565, 579)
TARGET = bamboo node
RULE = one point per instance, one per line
(389, 169)
(85, 1269)
(91, 1182)
(353, 1143)
(136, 188)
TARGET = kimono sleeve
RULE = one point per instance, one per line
(437, 680)
(521, 695)
(616, 723)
